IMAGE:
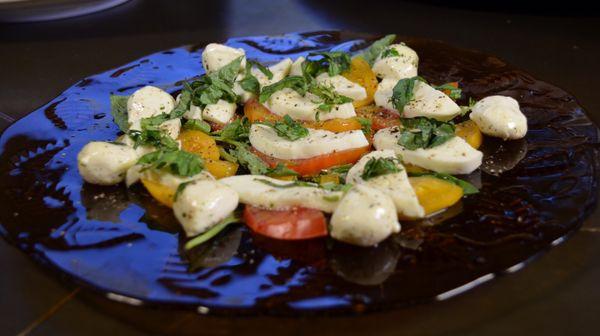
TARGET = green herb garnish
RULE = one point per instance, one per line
(281, 170)
(390, 52)
(365, 125)
(380, 166)
(177, 162)
(331, 62)
(453, 92)
(118, 110)
(468, 188)
(288, 128)
(212, 232)
(403, 92)
(422, 132)
(466, 109)
(197, 125)
(371, 53)
(296, 83)
(251, 161)
(209, 89)
(328, 96)
(236, 131)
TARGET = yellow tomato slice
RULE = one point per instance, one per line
(435, 194)
(220, 169)
(163, 194)
(360, 72)
(336, 125)
(469, 131)
(199, 143)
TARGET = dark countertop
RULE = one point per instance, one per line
(555, 295)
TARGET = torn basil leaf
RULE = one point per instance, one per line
(422, 132)
(118, 110)
(371, 53)
(380, 166)
(177, 162)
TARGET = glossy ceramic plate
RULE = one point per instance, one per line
(122, 244)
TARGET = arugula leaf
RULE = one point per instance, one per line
(390, 52)
(371, 54)
(177, 162)
(246, 158)
(422, 132)
(365, 125)
(212, 232)
(281, 170)
(197, 125)
(452, 91)
(380, 166)
(288, 128)
(403, 93)
(296, 83)
(118, 110)
(332, 62)
(328, 96)
(468, 188)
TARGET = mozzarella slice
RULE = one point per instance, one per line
(105, 163)
(195, 112)
(296, 69)
(147, 102)
(343, 86)
(427, 102)
(215, 56)
(318, 142)
(395, 185)
(221, 112)
(290, 102)
(500, 116)
(454, 156)
(263, 194)
(203, 204)
(365, 217)
(403, 66)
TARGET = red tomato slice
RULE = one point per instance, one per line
(294, 224)
(314, 165)
(379, 116)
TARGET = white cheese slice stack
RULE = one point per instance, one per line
(265, 195)
(500, 116)
(428, 102)
(397, 67)
(364, 217)
(318, 142)
(395, 185)
(454, 156)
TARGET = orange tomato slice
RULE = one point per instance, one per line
(360, 72)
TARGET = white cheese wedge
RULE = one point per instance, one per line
(454, 156)
(105, 163)
(260, 191)
(403, 66)
(146, 102)
(296, 69)
(221, 112)
(343, 86)
(500, 116)
(215, 56)
(203, 204)
(427, 102)
(395, 185)
(364, 217)
(319, 142)
(290, 102)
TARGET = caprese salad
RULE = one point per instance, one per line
(329, 144)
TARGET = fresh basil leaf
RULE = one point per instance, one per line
(212, 232)
(296, 83)
(288, 128)
(468, 188)
(262, 68)
(180, 189)
(208, 89)
(332, 62)
(328, 96)
(197, 125)
(156, 138)
(118, 110)
(371, 54)
(403, 93)
(390, 52)
(292, 184)
(422, 132)
(177, 162)
(229, 72)
(237, 131)
(466, 109)
(281, 170)
(250, 84)
(251, 161)
(379, 166)
(183, 105)
(366, 125)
